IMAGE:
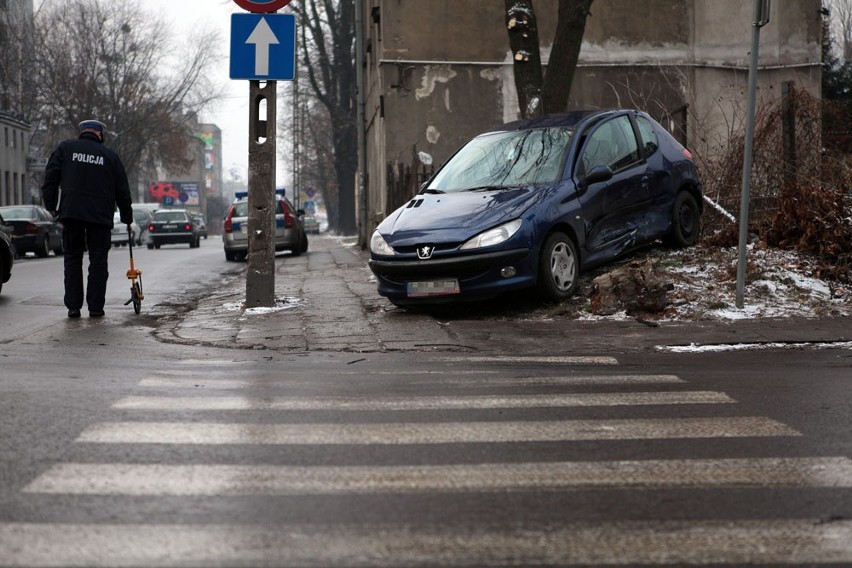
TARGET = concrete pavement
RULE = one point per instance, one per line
(327, 301)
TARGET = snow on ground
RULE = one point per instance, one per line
(779, 283)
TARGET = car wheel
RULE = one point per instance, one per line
(230, 256)
(43, 247)
(558, 268)
(150, 246)
(157, 246)
(686, 221)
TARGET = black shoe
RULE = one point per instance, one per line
(96, 313)
(73, 313)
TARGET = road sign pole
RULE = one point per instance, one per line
(760, 19)
(260, 278)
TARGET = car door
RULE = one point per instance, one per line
(612, 207)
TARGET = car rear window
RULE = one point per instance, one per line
(169, 216)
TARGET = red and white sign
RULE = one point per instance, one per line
(261, 6)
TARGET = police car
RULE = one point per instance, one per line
(289, 232)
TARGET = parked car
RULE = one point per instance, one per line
(532, 204)
(118, 236)
(35, 229)
(311, 224)
(143, 217)
(7, 253)
(199, 222)
(172, 226)
(289, 232)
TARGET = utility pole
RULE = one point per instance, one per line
(760, 19)
(263, 50)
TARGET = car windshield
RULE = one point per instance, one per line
(18, 213)
(506, 159)
(169, 216)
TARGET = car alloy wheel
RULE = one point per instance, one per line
(559, 267)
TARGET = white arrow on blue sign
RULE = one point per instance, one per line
(263, 47)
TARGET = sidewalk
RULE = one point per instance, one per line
(328, 302)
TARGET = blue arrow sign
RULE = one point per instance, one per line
(263, 47)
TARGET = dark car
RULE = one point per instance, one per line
(532, 204)
(35, 229)
(7, 252)
(172, 226)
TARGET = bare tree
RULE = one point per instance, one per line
(539, 91)
(104, 59)
(841, 14)
(328, 57)
(16, 27)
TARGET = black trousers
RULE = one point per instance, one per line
(78, 237)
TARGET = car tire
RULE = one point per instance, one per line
(558, 268)
(230, 256)
(43, 247)
(686, 221)
(157, 246)
(150, 246)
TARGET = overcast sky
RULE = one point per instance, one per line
(231, 115)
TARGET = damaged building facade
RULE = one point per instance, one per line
(439, 72)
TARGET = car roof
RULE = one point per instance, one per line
(566, 119)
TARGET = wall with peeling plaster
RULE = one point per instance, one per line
(440, 71)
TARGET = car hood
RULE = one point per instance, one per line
(450, 217)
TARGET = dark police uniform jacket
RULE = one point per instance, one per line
(92, 180)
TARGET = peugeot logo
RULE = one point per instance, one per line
(425, 252)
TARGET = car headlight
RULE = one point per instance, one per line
(379, 246)
(493, 236)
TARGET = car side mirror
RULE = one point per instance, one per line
(599, 174)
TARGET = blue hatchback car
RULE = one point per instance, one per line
(534, 203)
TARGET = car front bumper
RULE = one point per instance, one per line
(478, 275)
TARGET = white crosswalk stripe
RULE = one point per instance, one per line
(215, 433)
(154, 479)
(401, 403)
(735, 543)
(200, 419)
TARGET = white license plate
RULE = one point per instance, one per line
(433, 288)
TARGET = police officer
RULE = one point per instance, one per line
(83, 182)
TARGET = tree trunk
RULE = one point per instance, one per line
(523, 41)
(564, 55)
(539, 92)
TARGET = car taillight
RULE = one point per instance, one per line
(687, 153)
(229, 226)
(31, 229)
(288, 220)
(188, 227)
(151, 227)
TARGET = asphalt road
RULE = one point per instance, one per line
(118, 448)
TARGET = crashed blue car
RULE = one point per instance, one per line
(534, 203)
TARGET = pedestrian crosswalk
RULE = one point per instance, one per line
(454, 416)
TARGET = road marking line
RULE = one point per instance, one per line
(439, 379)
(564, 360)
(629, 543)
(421, 402)
(239, 480)
(430, 433)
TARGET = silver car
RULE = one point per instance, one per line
(119, 232)
(289, 232)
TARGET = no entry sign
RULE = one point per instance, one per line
(261, 6)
